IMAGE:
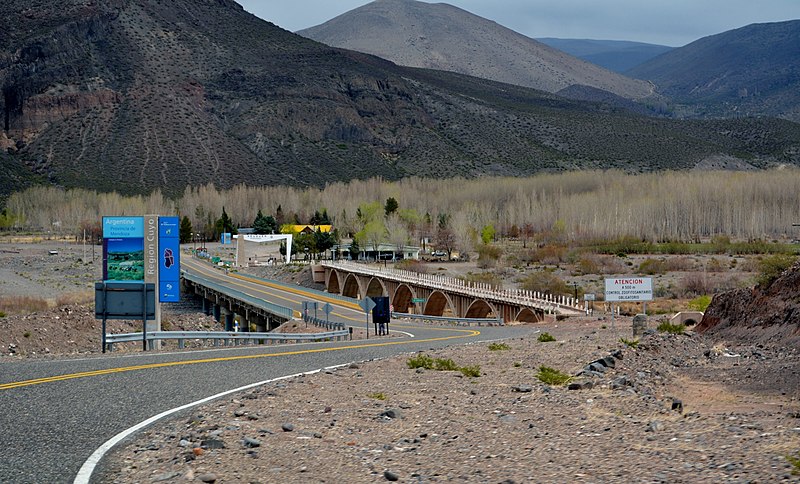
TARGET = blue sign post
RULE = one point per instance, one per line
(169, 273)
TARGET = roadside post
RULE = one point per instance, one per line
(367, 304)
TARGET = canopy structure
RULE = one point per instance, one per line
(261, 238)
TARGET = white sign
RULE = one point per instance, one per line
(629, 289)
(588, 296)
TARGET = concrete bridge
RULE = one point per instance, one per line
(412, 292)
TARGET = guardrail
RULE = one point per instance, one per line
(281, 311)
(458, 321)
(226, 337)
(321, 323)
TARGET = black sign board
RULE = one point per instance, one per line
(125, 300)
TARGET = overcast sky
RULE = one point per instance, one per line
(668, 22)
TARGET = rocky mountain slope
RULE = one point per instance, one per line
(754, 70)
(134, 95)
(444, 37)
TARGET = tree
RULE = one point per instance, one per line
(224, 225)
(487, 234)
(265, 225)
(445, 239)
(355, 250)
(397, 232)
(185, 230)
(390, 207)
(279, 217)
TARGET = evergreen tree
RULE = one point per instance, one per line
(391, 206)
(185, 230)
(265, 225)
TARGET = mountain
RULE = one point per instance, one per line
(444, 37)
(751, 71)
(615, 55)
(137, 95)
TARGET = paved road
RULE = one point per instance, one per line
(56, 413)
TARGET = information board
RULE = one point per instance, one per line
(620, 289)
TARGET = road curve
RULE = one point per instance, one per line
(56, 413)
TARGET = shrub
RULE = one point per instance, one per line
(546, 282)
(667, 327)
(770, 268)
(546, 337)
(26, 334)
(795, 463)
(551, 376)
(488, 255)
(498, 347)
(630, 343)
(420, 361)
(441, 364)
(473, 371)
(695, 284)
(377, 396)
(700, 303)
(484, 278)
(652, 266)
(550, 254)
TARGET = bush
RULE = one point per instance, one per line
(546, 337)
(420, 361)
(488, 256)
(498, 347)
(377, 396)
(551, 376)
(473, 371)
(770, 268)
(546, 282)
(667, 327)
(699, 303)
(441, 364)
(550, 254)
(630, 343)
(652, 266)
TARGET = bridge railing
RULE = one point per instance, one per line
(535, 299)
(224, 337)
(458, 321)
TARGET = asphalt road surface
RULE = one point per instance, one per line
(56, 413)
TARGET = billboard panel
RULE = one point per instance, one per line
(629, 289)
(123, 248)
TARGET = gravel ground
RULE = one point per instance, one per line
(677, 408)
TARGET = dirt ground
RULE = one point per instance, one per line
(675, 408)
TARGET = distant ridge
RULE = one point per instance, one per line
(750, 71)
(441, 36)
(140, 95)
(615, 55)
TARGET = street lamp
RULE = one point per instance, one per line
(575, 285)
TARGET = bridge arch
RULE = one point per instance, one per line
(528, 315)
(332, 284)
(480, 309)
(376, 288)
(437, 304)
(401, 299)
(351, 287)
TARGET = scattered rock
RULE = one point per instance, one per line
(287, 427)
(522, 388)
(390, 476)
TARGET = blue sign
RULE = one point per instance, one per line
(169, 271)
(225, 238)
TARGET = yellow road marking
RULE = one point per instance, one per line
(85, 374)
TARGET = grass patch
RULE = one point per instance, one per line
(795, 462)
(551, 376)
(546, 337)
(377, 395)
(498, 347)
(667, 327)
(22, 304)
(441, 364)
(629, 343)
